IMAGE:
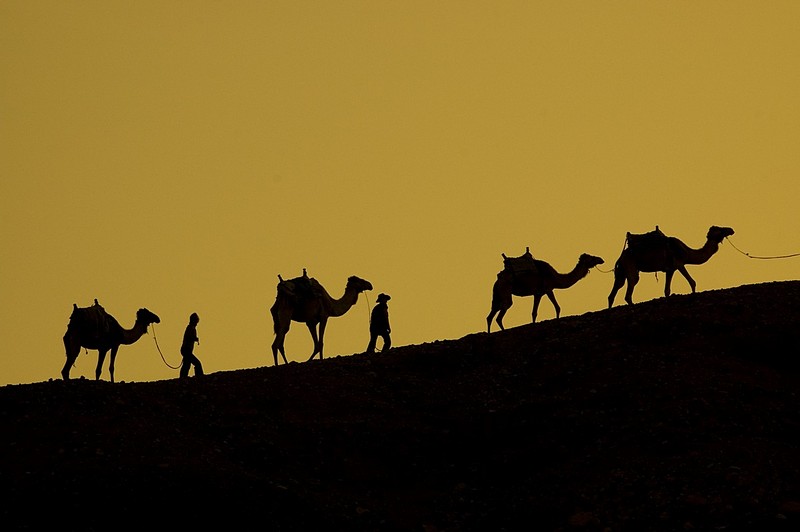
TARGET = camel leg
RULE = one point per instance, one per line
(668, 282)
(489, 319)
(619, 280)
(535, 312)
(111, 360)
(500, 311)
(632, 280)
(67, 367)
(312, 328)
(688, 277)
(500, 318)
(501, 301)
(322, 325)
(277, 347)
(552, 297)
(281, 324)
(72, 355)
(101, 357)
(277, 344)
(274, 348)
(283, 355)
(493, 310)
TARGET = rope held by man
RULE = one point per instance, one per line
(159, 349)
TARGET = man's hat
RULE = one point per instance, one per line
(383, 297)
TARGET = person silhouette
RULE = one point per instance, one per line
(379, 324)
(189, 339)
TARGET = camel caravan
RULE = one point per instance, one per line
(304, 300)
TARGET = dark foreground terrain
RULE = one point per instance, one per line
(674, 414)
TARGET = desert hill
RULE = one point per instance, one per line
(680, 413)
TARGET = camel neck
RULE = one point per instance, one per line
(700, 256)
(339, 307)
(566, 280)
(130, 336)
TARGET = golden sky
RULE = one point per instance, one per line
(180, 155)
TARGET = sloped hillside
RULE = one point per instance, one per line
(673, 414)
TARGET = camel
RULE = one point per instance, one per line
(656, 252)
(93, 328)
(304, 299)
(537, 282)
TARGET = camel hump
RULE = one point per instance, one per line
(524, 262)
(649, 240)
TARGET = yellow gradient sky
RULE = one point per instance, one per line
(180, 155)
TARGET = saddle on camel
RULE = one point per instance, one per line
(300, 288)
(94, 321)
(644, 241)
(523, 263)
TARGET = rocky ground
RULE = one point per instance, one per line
(672, 414)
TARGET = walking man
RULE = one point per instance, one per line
(379, 324)
(189, 339)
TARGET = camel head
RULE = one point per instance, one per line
(716, 234)
(589, 261)
(145, 316)
(358, 284)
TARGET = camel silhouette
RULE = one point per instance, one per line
(537, 280)
(304, 299)
(94, 328)
(657, 252)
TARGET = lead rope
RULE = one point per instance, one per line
(369, 309)
(159, 349)
(624, 243)
(757, 257)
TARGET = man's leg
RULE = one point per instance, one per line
(387, 342)
(184, 368)
(373, 339)
(198, 367)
